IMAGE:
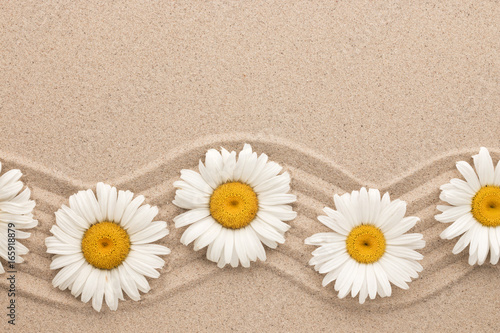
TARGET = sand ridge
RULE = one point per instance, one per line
(185, 268)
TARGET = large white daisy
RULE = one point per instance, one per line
(474, 210)
(368, 248)
(103, 246)
(15, 216)
(235, 205)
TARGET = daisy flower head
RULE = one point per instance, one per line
(103, 246)
(367, 249)
(474, 209)
(15, 216)
(235, 204)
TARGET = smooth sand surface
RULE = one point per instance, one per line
(343, 94)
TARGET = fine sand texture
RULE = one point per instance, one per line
(343, 94)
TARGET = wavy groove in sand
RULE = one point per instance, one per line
(314, 180)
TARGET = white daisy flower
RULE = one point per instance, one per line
(103, 246)
(367, 249)
(15, 216)
(474, 210)
(235, 205)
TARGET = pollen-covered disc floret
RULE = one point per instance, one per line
(102, 246)
(486, 206)
(15, 217)
(367, 249)
(105, 245)
(365, 244)
(474, 209)
(234, 206)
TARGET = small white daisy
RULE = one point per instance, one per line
(15, 215)
(474, 210)
(368, 247)
(103, 246)
(235, 205)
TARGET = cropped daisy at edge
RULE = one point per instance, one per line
(15, 216)
(103, 246)
(367, 249)
(235, 205)
(474, 209)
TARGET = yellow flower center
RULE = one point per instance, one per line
(234, 205)
(486, 206)
(365, 244)
(105, 245)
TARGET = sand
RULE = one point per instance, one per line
(386, 94)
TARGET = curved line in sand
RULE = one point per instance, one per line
(290, 262)
(278, 148)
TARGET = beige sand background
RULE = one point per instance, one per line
(342, 93)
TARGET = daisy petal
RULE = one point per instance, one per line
(470, 176)
(453, 213)
(483, 246)
(401, 227)
(496, 177)
(391, 215)
(358, 280)
(461, 225)
(214, 252)
(195, 230)
(196, 180)
(208, 237)
(484, 167)
(336, 222)
(151, 249)
(191, 216)
(463, 242)
(156, 230)
(494, 234)
(99, 291)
